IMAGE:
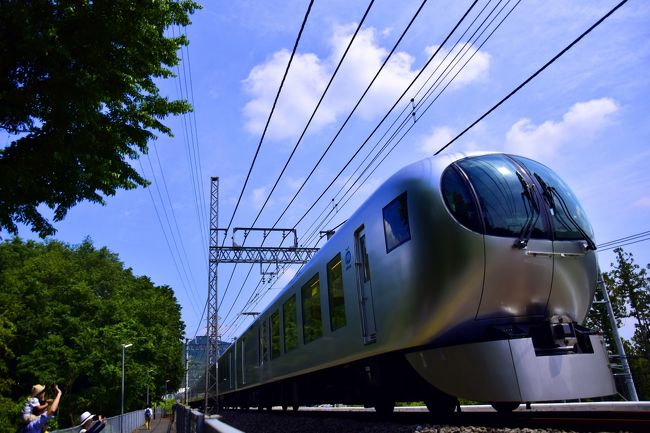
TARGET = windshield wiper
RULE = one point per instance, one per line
(549, 193)
(532, 214)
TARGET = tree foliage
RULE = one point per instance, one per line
(628, 287)
(78, 99)
(65, 313)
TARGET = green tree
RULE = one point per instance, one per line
(631, 283)
(78, 99)
(66, 312)
(628, 287)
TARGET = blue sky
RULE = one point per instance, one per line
(586, 117)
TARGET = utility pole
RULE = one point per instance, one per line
(187, 370)
(237, 254)
(212, 335)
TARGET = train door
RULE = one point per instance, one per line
(364, 288)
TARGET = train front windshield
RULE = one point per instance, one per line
(509, 196)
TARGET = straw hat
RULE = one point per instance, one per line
(37, 389)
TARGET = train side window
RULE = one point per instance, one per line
(290, 330)
(335, 293)
(312, 325)
(275, 335)
(396, 223)
(264, 341)
(459, 199)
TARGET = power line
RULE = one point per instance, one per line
(624, 241)
(529, 79)
(445, 73)
(346, 120)
(303, 134)
(313, 114)
(352, 112)
(171, 250)
(190, 135)
(378, 125)
(268, 120)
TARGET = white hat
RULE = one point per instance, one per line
(85, 417)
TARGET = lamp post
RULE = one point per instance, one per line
(166, 382)
(124, 346)
(148, 371)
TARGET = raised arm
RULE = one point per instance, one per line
(55, 403)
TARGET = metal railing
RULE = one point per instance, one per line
(187, 420)
(132, 421)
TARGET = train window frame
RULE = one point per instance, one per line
(337, 314)
(391, 221)
(499, 184)
(290, 337)
(312, 317)
(274, 346)
(472, 222)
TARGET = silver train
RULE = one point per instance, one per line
(462, 276)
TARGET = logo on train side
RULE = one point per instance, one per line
(348, 259)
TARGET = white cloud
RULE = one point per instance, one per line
(303, 86)
(477, 68)
(643, 202)
(434, 141)
(309, 75)
(259, 195)
(582, 122)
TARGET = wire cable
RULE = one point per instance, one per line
(268, 120)
(529, 79)
(362, 97)
(348, 117)
(303, 134)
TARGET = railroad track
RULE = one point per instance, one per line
(354, 420)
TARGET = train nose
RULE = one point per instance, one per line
(517, 281)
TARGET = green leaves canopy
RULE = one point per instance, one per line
(628, 286)
(78, 99)
(65, 312)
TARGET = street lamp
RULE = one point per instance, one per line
(148, 378)
(124, 346)
(166, 382)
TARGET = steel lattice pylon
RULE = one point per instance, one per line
(236, 254)
(212, 340)
(279, 255)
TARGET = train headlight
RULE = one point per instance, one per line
(564, 334)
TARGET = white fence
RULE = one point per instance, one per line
(131, 420)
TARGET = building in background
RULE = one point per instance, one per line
(195, 350)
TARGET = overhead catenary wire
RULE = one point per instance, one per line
(362, 145)
(530, 78)
(353, 111)
(185, 264)
(366, 91)
(625, 241)
(169, 247)
(268, 120)
(190, 135)
(313, 114)
(293, 52)
(347, 189)
(360, 99)
(324, 93)
(562, 52)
